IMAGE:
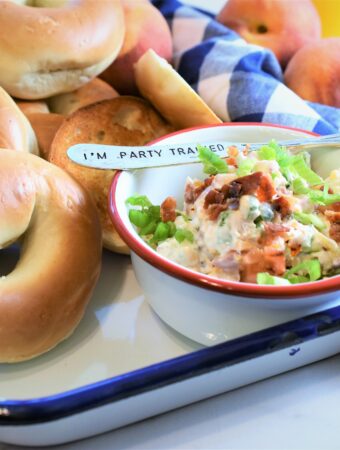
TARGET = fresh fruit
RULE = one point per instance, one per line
(314, 72)
(280, 25)
(145, 28)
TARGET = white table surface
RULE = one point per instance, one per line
(298, 410)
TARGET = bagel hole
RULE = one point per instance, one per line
(9, 257)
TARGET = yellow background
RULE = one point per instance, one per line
(329, 11)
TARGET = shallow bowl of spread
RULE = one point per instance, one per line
(207, 309)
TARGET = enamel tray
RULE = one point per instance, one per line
(123, 364)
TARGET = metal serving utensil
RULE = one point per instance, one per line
(157, 155)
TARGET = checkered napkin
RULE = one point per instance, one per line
(241, 82)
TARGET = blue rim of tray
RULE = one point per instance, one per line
(50, 408)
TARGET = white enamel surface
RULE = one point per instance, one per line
(205, 316)
(211, 317)
(119, 333)
(166, 398)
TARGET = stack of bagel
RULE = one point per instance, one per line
(53, 95)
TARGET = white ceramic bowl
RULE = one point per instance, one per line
(203, 308)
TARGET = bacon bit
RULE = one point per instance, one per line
(233, 151)
(252, 263)
(271, 232)
(232, 161)
(332, 213)
(259, 260)
(275, 261)
(214, 196)
(192, 192)
(334, 232)
(168, 210)
(282, 206)
(215, 210)
(218, 200)
(257, 183)
(332, 216)
(266, 190)
(333, 207)
(215, 202)
(294, 251)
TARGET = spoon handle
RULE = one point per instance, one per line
(156, 155)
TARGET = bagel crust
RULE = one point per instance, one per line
(94, 91)
(50, 50)
(15, 130)
(120, 121)
(43, 299)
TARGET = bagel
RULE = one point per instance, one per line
(120, 121)
(170, 94)
(45, 127)
(30, 106)
(15, 130)
(92, 92)
(43, 299)
(49, 50)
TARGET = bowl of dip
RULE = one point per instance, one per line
(205, 278)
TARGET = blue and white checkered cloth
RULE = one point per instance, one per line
(241, 82)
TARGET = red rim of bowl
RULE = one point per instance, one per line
(206, 281)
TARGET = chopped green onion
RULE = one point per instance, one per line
(300, 186)
(172, 228)
(139, 200)
(312, 269)
(212, 164)
(139, 218)
(149, 228)
(245, 167)
(267, 152)
(310, 219)
(161, 233)
(266, 278)
(294, 279)
(155, 212)
(323, 197)
(182, 234)
(300, 166)
(282, 156)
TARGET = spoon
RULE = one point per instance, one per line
(156, 155)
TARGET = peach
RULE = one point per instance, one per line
(145, 28)
(314, 72)
(283, 26)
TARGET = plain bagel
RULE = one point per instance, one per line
(49, 50)
(15, 130)
(92, 92)
(122, 120)
(43, 299)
